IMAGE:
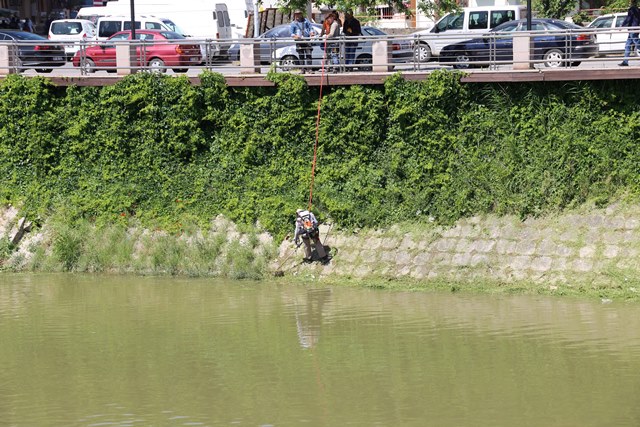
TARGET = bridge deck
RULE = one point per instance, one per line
(371, 78)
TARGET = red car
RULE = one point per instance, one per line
(157, 50)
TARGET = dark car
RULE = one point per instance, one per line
(159, 50)
(555, 43)
(34, 51)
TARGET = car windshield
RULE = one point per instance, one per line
(170, 35)
(601, 23)
(66, 28)
(373, 31)
(506, 27)
(557, 24)
(172, 26)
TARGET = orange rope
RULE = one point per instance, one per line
(315, 145)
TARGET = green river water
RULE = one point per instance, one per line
(139, 351)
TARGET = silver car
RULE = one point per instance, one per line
(277, 46)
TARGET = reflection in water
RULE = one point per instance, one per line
(140, 351)
(309, 316)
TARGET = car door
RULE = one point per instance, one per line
(603, 26)
(272, 40)
(551, 37)
(499, 45)
(104, 55)
(619, 34)
(448, 31)
(147, 48)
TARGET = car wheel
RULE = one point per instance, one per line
(44, 70)
(553, 58)
(422, 53)
(463, 61)
(180, 70)
(288, 63)
(364, 59)
(87, 65)
(156, 65)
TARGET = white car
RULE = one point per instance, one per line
(611, 36)
(71, 32)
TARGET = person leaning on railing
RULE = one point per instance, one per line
(350, 28)
(632, 20)
(301, 30)
(333, 32)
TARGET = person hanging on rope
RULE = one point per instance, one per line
(307, 228)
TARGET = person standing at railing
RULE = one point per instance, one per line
(351, 28)
(632, 20)
(301, 29)
(333, 32)
(28, 26)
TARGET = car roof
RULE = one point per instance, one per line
(609, 15)
(557, 22)
(160, 32)
(146, 31)
(22, 35)
(72, 20)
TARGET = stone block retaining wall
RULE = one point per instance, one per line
(600, 247)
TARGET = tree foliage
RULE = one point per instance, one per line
(166, 152)
(557, 9)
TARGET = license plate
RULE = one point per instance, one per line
(194, 59)
(57, 58)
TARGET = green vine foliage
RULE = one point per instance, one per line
(170, 153)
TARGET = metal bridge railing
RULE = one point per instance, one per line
(491, 51)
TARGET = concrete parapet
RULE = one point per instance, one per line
(125, 59)
(7, 62)
(522, 52)
(381, 50)
(249, 58)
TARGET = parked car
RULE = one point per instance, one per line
(462, 25)
(72, 32)
(555, 43)
(34, 51)
(611, 36)
(276, 44)
(158, 51)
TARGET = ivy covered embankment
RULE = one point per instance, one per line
(172, 155)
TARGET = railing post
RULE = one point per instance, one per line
(125, 59)
(381, 52)
(522, 52)
(249, 58)
(7, 55)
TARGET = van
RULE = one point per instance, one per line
(199, 19)
(455, 27)
(109, 25)
(71, 32)
(93, 13)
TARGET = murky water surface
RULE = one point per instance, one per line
(122, 351)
